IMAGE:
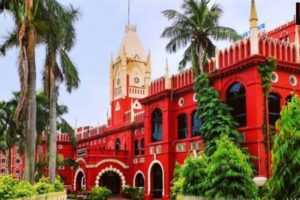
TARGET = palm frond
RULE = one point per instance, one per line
(69, 70)
(10, 40)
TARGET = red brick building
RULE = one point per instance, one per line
(152, 124)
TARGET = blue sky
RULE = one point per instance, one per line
(99, 32)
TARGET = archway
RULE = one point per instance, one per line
(80, 181)
(156, 181)
(112, 181)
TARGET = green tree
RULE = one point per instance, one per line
(229, 173)
(195, 28)
(10, 134)
(59, 39)
(285, 180)
(215, 115)
(26, 21)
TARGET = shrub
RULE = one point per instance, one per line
(44, 186)
(190, 178)
(99, 193)
(11, 188)
(24, 189)
(58, 185)
(134, 193)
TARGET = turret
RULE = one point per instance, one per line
(167, 77)
(297, 43)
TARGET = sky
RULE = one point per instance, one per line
(100, 29)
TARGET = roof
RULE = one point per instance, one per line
(131, 44)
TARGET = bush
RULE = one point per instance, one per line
(11, 188)
(99, 193)
(44, 186)
(58, 185)
(134, 193)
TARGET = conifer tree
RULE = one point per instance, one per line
(285, 180)
(229, 173)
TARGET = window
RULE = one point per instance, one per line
(182, 123)
(136, 147)
(3, 160)
(196, 124)
(18, 161)
(117, 144)
(156, 125)
(274, 108)
(236, 99)
(139, 180)
(142, 146)
(3, 171)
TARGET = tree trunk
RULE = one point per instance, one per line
(9, 160)
(52, 143)
(30, 124)
(200, 58)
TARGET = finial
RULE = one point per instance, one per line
(253, 15)
(167, 68)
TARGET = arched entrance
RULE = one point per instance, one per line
(156, 181)
(80, 181)
(112, 181)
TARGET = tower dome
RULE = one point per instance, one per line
(131, 44)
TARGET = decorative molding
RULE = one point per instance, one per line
(110, 169)
(76, 174)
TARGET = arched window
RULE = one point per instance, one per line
(136, 147)
(156, 125)
(196, 124)
(142, 146)
(117, 144)
(139, 180)
(182, 123)
(274, 108)
(236, 99)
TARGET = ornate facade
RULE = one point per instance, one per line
(153, 124)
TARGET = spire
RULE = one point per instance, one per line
(167, 69)
(297, 45)
(253, 15)
(167, 77)
(253, 29)
(149, 61)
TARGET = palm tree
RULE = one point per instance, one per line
(59, 39)
(196, 27)
(39, 26)
(27, 23)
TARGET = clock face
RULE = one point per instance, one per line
(136, 80)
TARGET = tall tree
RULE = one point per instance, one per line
(195, 28)
(285, 180)
(27, 23)
(59, 40)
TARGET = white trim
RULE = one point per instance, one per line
(80, 159)
(136, 173)
(149, 176)
(110, 169)
(113, 161)
(295, 79)
(75, 176)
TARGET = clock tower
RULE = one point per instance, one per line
(130, 77)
